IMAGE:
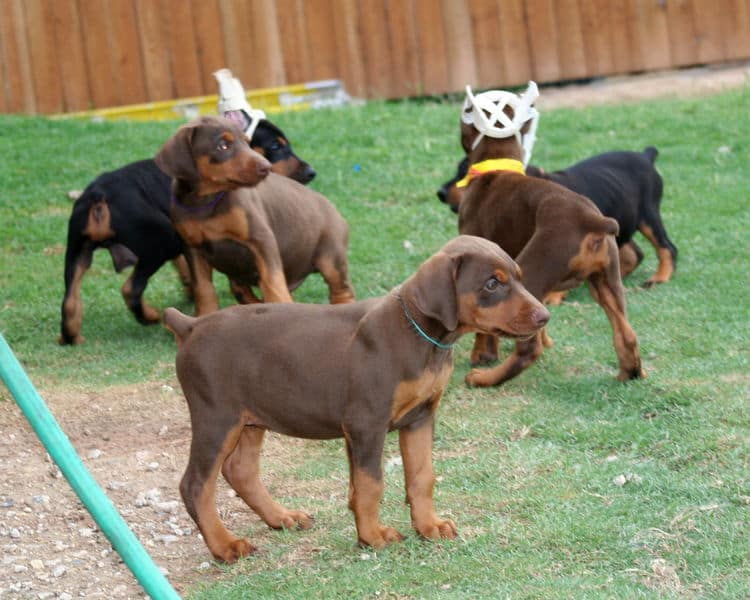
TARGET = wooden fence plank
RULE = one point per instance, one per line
(209, 43)
(159, 80)
(488, 50)
(653, 35)
(237, 37)
(351, 66)
(708, 29)
(376, 51)
(71, 58)
(406, 80)
(266, 43)
(431, 38)
(40, 27)
(294, 42)
(95, 25)
(683, 43)
(570, 47)
(459, 49)
(321, 45)
(596, 31)
(626, 56)
(543, 40)
(516, 43)
(19, 91)
(183, 50)
(125, 50)
(737, 29)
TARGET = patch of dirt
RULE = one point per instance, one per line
(135, 440)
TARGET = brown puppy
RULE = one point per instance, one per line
(273, 234)
(559, 239)
(354, 371)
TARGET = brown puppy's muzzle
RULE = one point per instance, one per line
(520, 316)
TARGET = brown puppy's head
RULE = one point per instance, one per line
(271, 142)
(212, 154)
(471, 284)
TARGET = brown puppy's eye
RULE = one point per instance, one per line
(492, 284)
(222, 146)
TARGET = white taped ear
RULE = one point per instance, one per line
(233, 103)
(487, 113)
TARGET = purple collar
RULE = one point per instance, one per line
(198, 207)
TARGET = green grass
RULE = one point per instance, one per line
(527, 469)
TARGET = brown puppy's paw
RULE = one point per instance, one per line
(483, 358)
(636, 373)
(382, 537)
(294, 519)
(239, 548)
(74, 341)
(555, 298)
(438, 529)
(479, 378)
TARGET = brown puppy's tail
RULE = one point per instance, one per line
(598, 223)
(179, 324)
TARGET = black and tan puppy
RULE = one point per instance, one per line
(256, 227)
(624, 185)
(126, 211)
(354, 371)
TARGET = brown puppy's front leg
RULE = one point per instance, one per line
(485, 349)
(416, 451)
(241, 469)
(272, 283)
(204, 293)
(365, 451)
(524, 355)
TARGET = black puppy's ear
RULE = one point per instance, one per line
(435, 293)
(176, 158)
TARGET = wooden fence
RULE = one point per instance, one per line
(70, 55)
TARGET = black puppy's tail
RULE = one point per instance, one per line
(179, 324)
(651, 153)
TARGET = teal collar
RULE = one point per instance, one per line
(420, 331)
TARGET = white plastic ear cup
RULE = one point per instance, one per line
(233, 103)
(486, 112)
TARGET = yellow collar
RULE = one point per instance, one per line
(490, 166)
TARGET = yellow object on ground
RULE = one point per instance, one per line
(301, 96)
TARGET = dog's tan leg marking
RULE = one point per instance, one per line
(416, 450)
(366, 494)
(628, 259)
(666, 263)
(625, 340)
(524, 355)
(547, 341)
(273, 283)
(340, 290)
(242, 470)
(555, 298)
(485, 349)
(183, 272)
(199, 496)
(150, 314)
(204, 293)
(244, 294)
(74, 306)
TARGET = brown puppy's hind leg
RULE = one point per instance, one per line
(334, 272)
(198, 488)
(241, 469)
(416, 450)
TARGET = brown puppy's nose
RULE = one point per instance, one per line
(540, 316)
(263, 167)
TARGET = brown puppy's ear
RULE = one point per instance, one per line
(175, 157)
(435, 292)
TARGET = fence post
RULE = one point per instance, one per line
(85, 486)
